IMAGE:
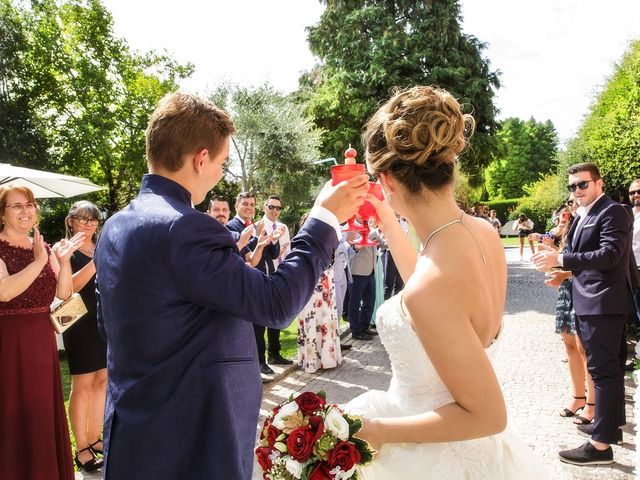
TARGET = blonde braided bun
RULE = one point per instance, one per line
(417, 136)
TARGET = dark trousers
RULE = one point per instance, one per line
(392, 280)
(603, 338)
(362, 298)
(273, 334)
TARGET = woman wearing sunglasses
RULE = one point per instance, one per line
(86, 351)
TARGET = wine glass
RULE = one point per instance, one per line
(367, 211)
(340, 173)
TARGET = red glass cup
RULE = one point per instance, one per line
(367, 211)
(340, 173)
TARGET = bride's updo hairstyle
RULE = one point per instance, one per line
(417, 136)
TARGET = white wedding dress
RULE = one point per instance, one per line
(416, 388)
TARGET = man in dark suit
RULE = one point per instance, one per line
(261, 254)
(597, 254)
(176, 302)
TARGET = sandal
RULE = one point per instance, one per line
(92, 446)
(570, 413)
(580, 420)
(90, 465)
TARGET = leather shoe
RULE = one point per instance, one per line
(278, 360)
(345, 346)
(587, 454)
(361, 336)
(266, 369)
(587, 431)
(370, 332)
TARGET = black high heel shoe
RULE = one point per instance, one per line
(570, 413)
(95, 449)
(90, 465)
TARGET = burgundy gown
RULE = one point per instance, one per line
(34, 436)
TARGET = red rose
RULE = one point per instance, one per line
(300, 443)
(309, 402)
(271, 435)
(344, 455)
(263, 454)
(320, 472)
(316, 424)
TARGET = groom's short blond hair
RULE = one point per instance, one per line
(182, 124)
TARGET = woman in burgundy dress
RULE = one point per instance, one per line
(34, 437)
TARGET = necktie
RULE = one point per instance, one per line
(247, 223)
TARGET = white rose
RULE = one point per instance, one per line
(285, 411)
(294, 467)
(335, 423)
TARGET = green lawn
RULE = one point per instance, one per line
(510, 241)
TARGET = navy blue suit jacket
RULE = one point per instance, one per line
(598, 257)
(175, 301)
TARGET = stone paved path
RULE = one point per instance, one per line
(529, 366)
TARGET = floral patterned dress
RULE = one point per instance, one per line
(318, 330)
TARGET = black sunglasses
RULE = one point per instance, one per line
(634, 192)
(581, 185)
(274, 207)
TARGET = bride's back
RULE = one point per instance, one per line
(470, 257)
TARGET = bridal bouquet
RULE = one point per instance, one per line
(306, 438)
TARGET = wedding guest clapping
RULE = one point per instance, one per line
(33, 424)
(86, 350)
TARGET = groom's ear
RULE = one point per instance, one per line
(199, 160)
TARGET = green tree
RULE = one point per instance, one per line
(93, 95)
(274, 147)
(369, 47)
(610, 134)
(22, 141)
(527, 150)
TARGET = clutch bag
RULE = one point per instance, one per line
(65, 313)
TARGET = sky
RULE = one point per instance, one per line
(553, 55)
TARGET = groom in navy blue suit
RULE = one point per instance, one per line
(176, 301)
(597, 254)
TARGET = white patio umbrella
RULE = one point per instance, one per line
(46, 184)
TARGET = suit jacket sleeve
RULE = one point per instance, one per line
(614, 235)
(208, 273)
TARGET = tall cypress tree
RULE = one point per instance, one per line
(369, 47)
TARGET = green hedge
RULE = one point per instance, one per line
(503, 208)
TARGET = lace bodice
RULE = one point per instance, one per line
(415, 385)
(39, 295)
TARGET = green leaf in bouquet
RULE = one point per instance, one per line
(322, 394)
(355, 423)
(307, 469)
(366, 452)
(280, 447)
(281, 437)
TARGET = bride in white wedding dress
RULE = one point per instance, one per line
(443, 416)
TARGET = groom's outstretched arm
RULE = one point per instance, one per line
(208, 273)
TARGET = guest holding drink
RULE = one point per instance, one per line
(86, 350)
(34, 436)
